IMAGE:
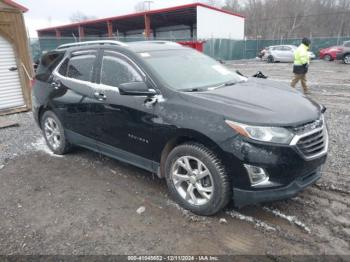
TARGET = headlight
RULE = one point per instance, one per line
(278, 135)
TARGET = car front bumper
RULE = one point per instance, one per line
(247, 197)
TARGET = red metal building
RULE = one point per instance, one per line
(187, 22)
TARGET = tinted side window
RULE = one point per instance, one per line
(347, 44)
(47, 64)
(116, 71)
(81, 67)
(63, 68)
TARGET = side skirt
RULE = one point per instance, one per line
(112, 152)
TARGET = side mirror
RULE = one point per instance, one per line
(136, 89)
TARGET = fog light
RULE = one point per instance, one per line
(257, 175)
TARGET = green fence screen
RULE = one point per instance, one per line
(225, 49)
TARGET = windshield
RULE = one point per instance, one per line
(188, 70)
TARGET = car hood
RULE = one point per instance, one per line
(258, 102)
(331, 47)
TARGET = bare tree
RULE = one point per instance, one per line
(215, 3)
(80, 17)
(143, 6)
(233, 5)
(275, 19)
(140, 7)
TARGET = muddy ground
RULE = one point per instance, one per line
(84, 203)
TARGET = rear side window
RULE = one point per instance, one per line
(347, 44)
(47, 64)
(81, 67)
(63, 68)
(287, 48)
(116, 71)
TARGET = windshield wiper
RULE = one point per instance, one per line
(230, 83)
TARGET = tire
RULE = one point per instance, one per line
(346, 59)
(327, 58)
(213, 182)
(54, 134)
(270, 59)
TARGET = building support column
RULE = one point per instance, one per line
(147, 26)
(191, 29)
(110, 28)
(58, 34)
(81, 33)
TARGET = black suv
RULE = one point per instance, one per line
(212, 134)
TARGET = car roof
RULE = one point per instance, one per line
(281, 45)
(145, 46)
(139, 46)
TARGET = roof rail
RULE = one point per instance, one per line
(157, 42)
(98, 42)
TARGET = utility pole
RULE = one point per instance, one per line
(148, 3)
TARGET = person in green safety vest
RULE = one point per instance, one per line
(301, 64)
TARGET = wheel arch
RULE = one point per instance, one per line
(187, 136)
(42, 109)
(345, 54)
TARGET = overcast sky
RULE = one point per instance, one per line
(45, 13)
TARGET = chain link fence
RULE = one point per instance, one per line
(225, 49)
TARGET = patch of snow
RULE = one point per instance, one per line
(291, 219)
(223, 221)
(186, 213)
(40, 145)
(257, 223)
(140, 210)
(2, 166)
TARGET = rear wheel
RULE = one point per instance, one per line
(346, 59)
(327, 58)
(270, 59)
(53, 132)
(197, 179)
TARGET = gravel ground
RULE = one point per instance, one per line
(84, 203)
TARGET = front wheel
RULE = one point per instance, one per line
(54, 134)
(346, 59)
(197, 179)
(327, 58)
(270, 59)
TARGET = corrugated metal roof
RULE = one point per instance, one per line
(173, 10)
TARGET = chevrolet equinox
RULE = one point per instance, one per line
(213, 134)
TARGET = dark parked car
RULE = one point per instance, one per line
(344, 53)
(212, 134)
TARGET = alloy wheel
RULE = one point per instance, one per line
(52, 132)
(327, 58)
(347, 59)
(192, 180)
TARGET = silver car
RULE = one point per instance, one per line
(282, 53)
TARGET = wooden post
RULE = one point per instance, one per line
(147, 26)
(81, 32)
(110, 28)
(58, 34)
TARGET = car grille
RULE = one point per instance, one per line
(311, 140)
(312, 144)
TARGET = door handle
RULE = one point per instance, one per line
(100, 96)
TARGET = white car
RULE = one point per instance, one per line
(282, 53)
